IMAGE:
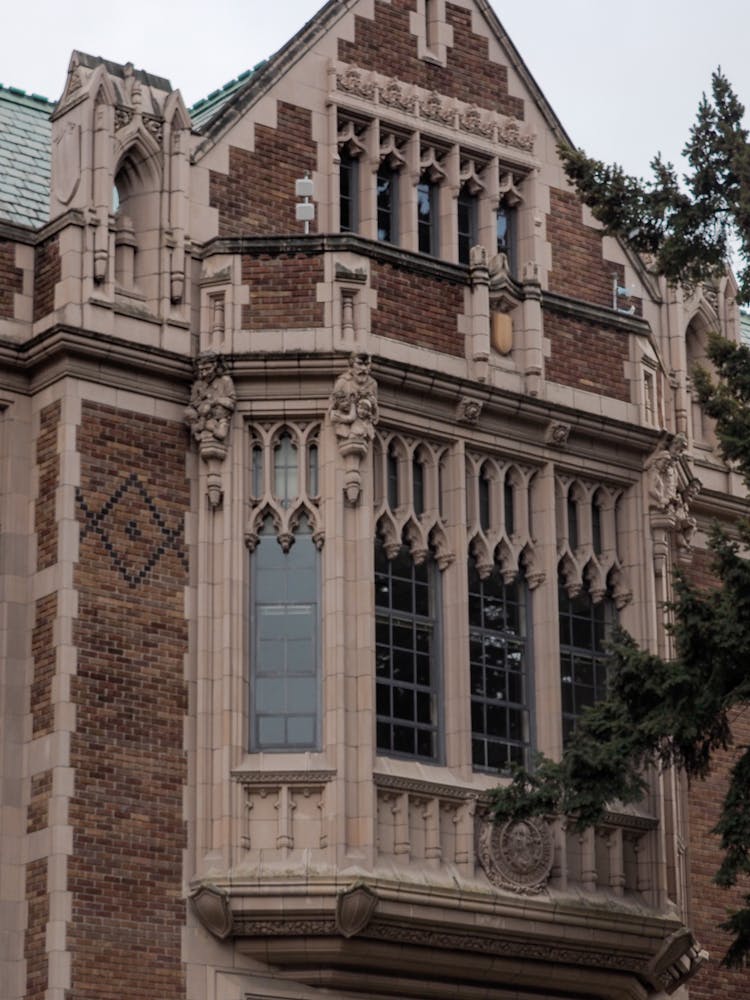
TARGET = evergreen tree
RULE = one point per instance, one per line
(677, 712)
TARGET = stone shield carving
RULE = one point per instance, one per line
(517, 854)
(67, 172)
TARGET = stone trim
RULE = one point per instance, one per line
(556, 302)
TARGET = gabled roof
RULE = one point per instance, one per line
(207, 108)
(251, 86)
(25, 154)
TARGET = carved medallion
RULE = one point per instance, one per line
(516, 855)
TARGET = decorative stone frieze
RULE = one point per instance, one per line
(209, 416)
(353, 412)
(433, 107)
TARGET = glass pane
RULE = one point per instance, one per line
(269, 695)
(496, 755)
(301, 695)
(312, 470)
(477, 753)
(285, 470)
(424, 707)
(425, 743)
(383, 736)
(271, 731)
(422, 600)
(403, 703)
(301, 730)
(403, 739)
(383, 698)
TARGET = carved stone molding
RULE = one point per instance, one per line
(399, 783)
(275, 778)
(433, 107)
(516, 855)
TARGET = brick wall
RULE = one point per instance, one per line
(432, 306)
(47, 272)
(48, 465)
(578, 268)
(35, 951)
(11, 278)
(282, 292)
(44, 657)
(130, 696)
(387, 46)
(37, 816)
(587, 355)
(257, 196)
(708, 903)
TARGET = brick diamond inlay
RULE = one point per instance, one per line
(132, 530)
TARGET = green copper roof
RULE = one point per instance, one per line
(205, 110)
(25, 152)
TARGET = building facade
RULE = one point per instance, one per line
(334, 439)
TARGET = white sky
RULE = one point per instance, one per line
(624, 78)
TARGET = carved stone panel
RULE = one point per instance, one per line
(516, 855)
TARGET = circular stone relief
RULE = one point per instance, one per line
(517, 854)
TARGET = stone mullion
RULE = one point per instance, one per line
(543, 617)
(455, 619)
(349, 654)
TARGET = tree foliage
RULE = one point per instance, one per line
(687, 227)
(675, 712)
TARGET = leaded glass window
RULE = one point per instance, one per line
(499, 682)
(584, 629)
(285, 696)
(406, 656)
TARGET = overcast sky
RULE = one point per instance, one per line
(624, 78)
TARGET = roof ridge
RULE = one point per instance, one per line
(18, 92)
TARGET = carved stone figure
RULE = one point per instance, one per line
(209, 416)
(353, 413)
(664, 477)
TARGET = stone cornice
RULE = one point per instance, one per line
(318, 244)
(281, 918)
(595, 314)
(63, 350)
(32, 237)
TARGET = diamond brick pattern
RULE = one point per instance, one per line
(132, 530)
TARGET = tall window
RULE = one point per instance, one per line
(285, 649)
(348, 183)
(427, 216)
(406, 687)
(387, 184)
(467, 223)
(284, 536)
(506, 220)
(497, 654)
(584, 628)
